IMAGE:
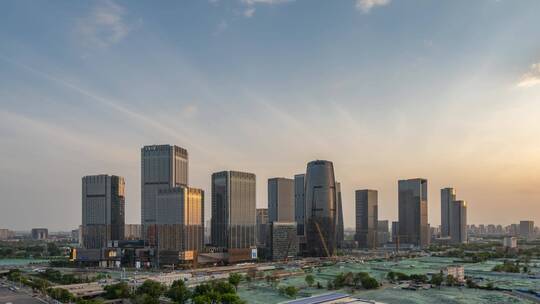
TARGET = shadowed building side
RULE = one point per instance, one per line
(413, 212)
(103, 210)
(366, 218)
(321, 205)
(233, 210)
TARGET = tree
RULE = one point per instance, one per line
(223, 288)
(203, 299)
(289, 291)
(61, 294)
(310, 280)
(117, 291)
(234, 279)
(152, 288)
(419, 278)
(450, 280)
(391, 276)
(370, 283)
(231, 298)
(437, 279)
(178, 292)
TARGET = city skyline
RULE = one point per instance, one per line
(265, 87)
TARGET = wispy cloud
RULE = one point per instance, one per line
(104, 26)
(365, 6)
(531, 78)
(221, 27)
(249, 10)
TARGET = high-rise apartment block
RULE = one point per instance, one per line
(233, 210)
(162, 167)
(366, 218)
(103, 210)
(39, 233)
(413, 212)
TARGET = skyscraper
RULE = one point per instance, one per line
(448, 195)
(526, 229)
(366, 218)
(180, 219)
(299, 202)
(281, 200)
(321, 205)
(233, 210)
(458, 222)
(340, 232)
(162, 167)
(103, 210)
(413, 212)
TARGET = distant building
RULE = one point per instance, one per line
(458, 222)
(233, 210)
(299, 202)
(263, 228)
(526, 229)
(180, 219)
(321, 208)
(395, 230)
(103, 210)
(281, 206)
(413, 212)
(133, 232)
(284, 243)
(340, 225)
(383, 233)
(457, 271)
(162, 167)
(448, 195)
(510, 242)
(366, 218)
(40, 233)
(6, 234)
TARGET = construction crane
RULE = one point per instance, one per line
(323, 241)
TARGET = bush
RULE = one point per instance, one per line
(289, 291)
(370, 283)
(117, 291)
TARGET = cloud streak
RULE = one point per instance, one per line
(365, 6)
(104, 26)
(531, 78)
(249, 10)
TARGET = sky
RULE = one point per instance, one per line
(386, 89)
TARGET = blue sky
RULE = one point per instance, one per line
(387, 89)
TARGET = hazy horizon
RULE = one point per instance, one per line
(385, 89)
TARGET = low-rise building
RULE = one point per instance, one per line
(457, 271)
(40, 233)
(510, 242)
